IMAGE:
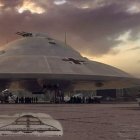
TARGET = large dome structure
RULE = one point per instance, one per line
(37, 56)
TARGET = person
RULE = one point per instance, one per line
(16, 101)
(22, 100)
(36, 100)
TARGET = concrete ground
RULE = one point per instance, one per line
(86, 121)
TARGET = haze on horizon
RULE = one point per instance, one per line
(102, 30)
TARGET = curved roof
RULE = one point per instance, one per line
(43, 57)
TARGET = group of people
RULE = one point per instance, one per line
(26, 100)
(80, 100)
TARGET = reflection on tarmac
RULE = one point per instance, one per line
(30, 124)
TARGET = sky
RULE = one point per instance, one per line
(107, 31)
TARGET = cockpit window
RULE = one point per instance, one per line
(74, 61)
(2, 52)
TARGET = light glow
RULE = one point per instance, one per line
(1, 5)
(59, 2)
(32, 7)
(85, 6)
(134, 9)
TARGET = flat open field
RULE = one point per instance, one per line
(85, 122)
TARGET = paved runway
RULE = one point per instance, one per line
(85, 122)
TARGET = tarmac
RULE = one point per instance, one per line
(83, 121)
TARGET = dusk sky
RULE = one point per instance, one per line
(107, 31)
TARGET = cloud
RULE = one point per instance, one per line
(11, 3)
(91, 30)
(135, 48)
